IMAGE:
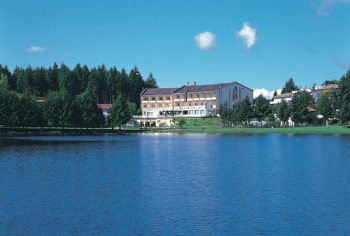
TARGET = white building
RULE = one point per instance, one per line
(160, 105)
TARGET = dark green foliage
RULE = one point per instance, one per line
(283, 112)
(289, 86)
(18, 109)
(181, 122)
(136, 84)
(300, 114)
(151, 82)
(120, 113)
(53, 108)
(71, 95)
(91, 115)
(241, 114)
(262, 108)
(327, 105)
(344, 94)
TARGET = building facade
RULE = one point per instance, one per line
(160, 105)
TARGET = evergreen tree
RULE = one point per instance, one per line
(283, 112)
(53, 108)
(300, 104)
(136, 84)
(289, 86)
(242, 112)
(151, 82)
(120, 113)
(91, 115)
(53, 78)
(344, 92)
(112, 83)
(326, 105)
(262, 108)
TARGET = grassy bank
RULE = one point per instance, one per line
(213, 126)
(289, 130)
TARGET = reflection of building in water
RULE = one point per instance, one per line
(160, 105)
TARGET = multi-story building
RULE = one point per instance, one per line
(315, 92)
(160, 105)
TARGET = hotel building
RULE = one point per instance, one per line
(160, 105)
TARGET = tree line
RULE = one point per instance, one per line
(333, 105)
(70, 95)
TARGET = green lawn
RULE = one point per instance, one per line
(213, 126)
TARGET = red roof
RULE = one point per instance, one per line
(104, 106)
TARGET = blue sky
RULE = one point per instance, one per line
(258, 43)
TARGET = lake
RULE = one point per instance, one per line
(175, 184)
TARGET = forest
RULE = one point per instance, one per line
(70, 95)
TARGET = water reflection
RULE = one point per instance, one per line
(175, 184)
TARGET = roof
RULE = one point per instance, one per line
(283, 95)
(104, 106)
(200, 88)
(330, 86)
(311, 109)
(158, 91)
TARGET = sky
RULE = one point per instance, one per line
(258, 43)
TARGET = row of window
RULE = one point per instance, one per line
(177, 97)
(194, 112)
(177, 104)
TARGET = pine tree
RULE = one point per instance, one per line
(289, 86)
(120, 113)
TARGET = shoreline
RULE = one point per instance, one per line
(38, 131)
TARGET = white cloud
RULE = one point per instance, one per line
(35, 49)
(205, 40)
(248, 35)
(267, 94)
(324, 7)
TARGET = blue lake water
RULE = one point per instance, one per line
(175, 185)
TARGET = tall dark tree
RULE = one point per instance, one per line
(242, 112)
(112, 83)
(53, 109)
(289, 86)
(151, 82)
(122, 84)
(53, 78)
(120, 113)
(327, 105)
(283, 112)
(136, 84)
(344, 93)
(301, 103)
(91, 115)
(262, 108)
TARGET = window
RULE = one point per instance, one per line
(195, 104)
(190, 96)
(197, 95)
(144, 106)
(145, 98)
(153, 98)
(201, 103)
(177, 104)
(167, 98)
(153, 106)
(177, 96)
(160, 98)
(202, 112)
